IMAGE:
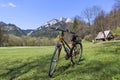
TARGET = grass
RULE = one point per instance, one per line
(24, 63)
(101, 61)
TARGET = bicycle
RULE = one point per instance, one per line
(74, 53)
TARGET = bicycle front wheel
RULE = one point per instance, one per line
(76, 52)
(54, 62)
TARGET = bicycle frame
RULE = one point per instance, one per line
(61, 43)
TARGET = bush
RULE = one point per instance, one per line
(116, 33)
(88, 37)
(29, 41)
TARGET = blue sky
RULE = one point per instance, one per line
(30, 14)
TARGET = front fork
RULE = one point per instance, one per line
(59, 47)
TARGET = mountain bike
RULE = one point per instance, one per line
(74, 53)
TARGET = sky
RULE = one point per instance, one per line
(31, 14)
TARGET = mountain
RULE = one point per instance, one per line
(13, 29)
(3, 24)
(42, 31)
(45, 29)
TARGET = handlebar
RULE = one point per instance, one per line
(58, 29)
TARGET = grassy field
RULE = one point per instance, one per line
(101, 61)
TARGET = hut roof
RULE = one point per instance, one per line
(101, 35)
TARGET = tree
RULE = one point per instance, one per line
(99, 23)
(80, 27)
(75, 25)
(115, 14)
(90, 14)
(1, 35)
(117, 5)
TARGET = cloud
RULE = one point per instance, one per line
(7, 5)
(11, 4)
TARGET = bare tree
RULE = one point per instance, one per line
(117, 5)
(99, 23)
(116, 13)
(90, 13)
(96, 10)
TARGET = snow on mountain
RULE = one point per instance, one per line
(69, 20)
(56, 21)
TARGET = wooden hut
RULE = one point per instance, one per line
(108, 36)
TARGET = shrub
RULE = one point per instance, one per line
(29, 41)
(116, 33)
(88, 37)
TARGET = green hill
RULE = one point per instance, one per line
(101, 61)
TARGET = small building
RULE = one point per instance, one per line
(108, 36)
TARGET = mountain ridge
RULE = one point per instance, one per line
(41, 31)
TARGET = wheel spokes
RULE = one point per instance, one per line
(77, 52)
(53, 63)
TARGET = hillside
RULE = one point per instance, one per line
(101, 61)
(12, 29)
(45, 29)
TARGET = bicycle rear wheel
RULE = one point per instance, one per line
(76, 53)
(54, 62)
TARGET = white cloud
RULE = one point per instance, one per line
(11, 4)
(7, 5)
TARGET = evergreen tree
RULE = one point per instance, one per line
(75, 25)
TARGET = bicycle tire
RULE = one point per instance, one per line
(76, 52)
(53, 62)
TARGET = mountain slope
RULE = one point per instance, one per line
(12, 29)
(42, 31)
(45, 29)
(27, 32)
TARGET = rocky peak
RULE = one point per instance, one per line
(62, 19)
(69, 20)
(53, 22)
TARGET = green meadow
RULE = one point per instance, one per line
(100, 61)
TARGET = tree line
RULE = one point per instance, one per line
(13, 40)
